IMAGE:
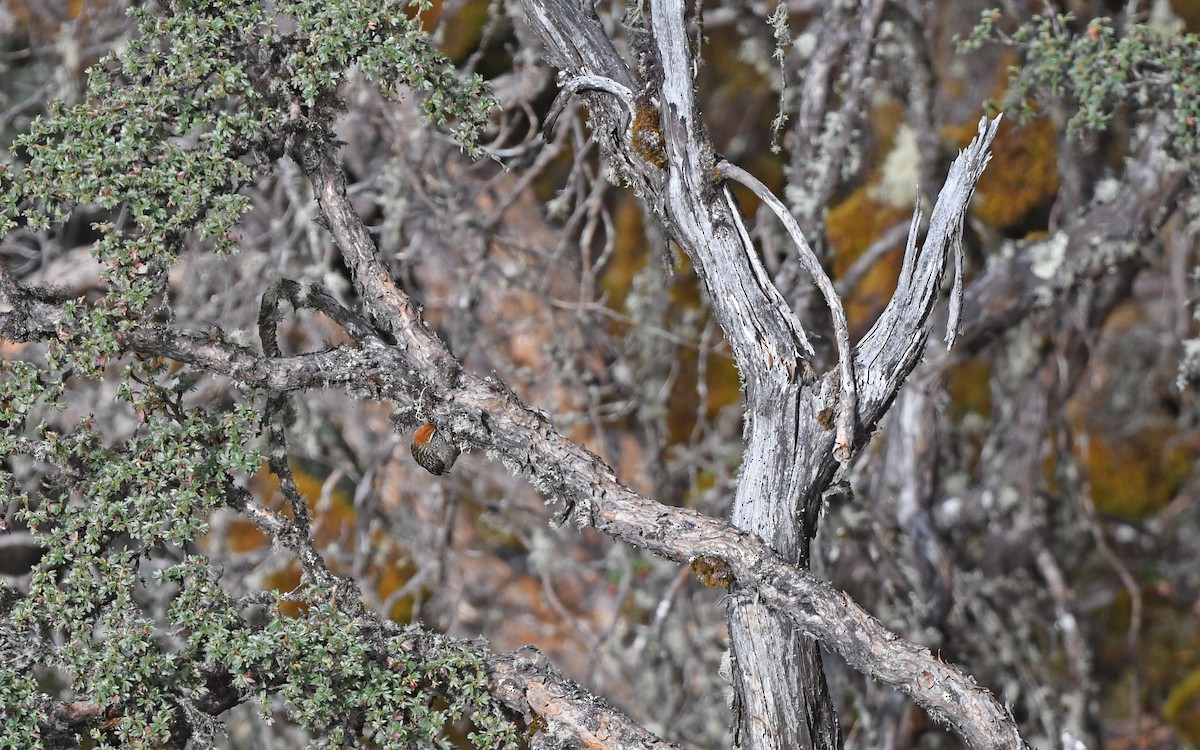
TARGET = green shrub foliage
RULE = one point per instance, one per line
(201, 103)
(1100, 72)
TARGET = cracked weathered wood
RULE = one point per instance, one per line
(782, 699)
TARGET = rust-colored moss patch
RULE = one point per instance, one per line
(647, 136)
(851, 227)
(1021, 180)
(711, 571)
(1136, 475)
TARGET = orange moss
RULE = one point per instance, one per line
(243, 536)
(1134, 476)
(1021, 180)
(851, 227)
(647, 136)
(284, 580)
(44, 21)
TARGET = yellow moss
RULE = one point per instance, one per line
(705, 480)
(851, 227)
(1021, 180)
(969, 386)
(463, 35)
(286, 580)
(629, 254)
(970, 392)
(390, 577)
(711, 571)
(1182, 707)
(1167, 657)
(1135, 476)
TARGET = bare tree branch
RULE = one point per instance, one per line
(848, 404)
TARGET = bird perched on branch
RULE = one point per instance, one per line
(432, 450)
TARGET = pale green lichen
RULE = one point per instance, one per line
(1047, 257)
(900, 172)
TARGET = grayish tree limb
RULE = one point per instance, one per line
(588, 83)
(782, 700)
(848, 404)
(896, 341)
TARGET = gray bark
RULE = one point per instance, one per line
(782, 698)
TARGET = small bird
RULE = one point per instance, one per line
(432, 450)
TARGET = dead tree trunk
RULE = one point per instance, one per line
(799, 425)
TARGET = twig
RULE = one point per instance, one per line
(588, 83)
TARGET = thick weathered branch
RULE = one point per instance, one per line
(489, 416)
